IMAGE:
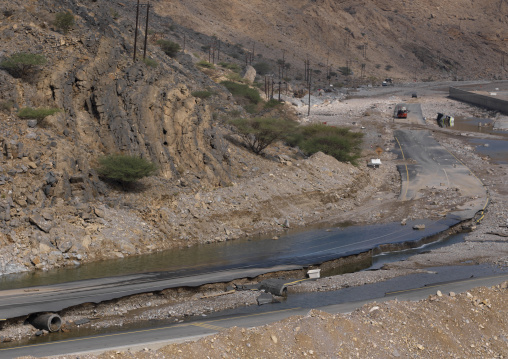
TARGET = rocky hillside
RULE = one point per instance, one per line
(55, 211)
(402, 39)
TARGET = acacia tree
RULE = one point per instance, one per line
(125, 168)
(170, 48)
(22, 64)
(260, 132)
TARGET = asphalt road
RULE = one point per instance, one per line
(237, 260)
(427, 164)
(420, 288)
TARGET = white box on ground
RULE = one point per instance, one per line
(314, 273)
(374, 162)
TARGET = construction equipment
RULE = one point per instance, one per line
(401, 112)
(445, 120)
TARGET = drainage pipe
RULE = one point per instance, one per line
(47, 321)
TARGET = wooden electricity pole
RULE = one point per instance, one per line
(136, 32)
(308, 112)
(146, 30)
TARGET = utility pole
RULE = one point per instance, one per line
(266, 87)
(305, 70)
(308, 112)
(146, 29)
(273, 83)
(136, 32)
(283, 62)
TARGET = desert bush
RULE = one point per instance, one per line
(259, 132)
(6, 106)
(243, 91)
(124, 168)
(37, 113)
(170, 48)
(236, 77)
(64, 21)
(346, 71)
(205, 64)
(272, 103)
(262, 68)
(202, 94)
(150, 62)
(230, 66)
(338, 142)
(22, 64)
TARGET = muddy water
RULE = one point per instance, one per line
(496, 149)
(302, 247)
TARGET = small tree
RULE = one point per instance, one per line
(125, 168)
(262, 68)
(338, 142)
(64, 21)
(170, 48)
(22, 64)
(260, 132)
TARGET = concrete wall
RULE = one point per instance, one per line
(489, 102)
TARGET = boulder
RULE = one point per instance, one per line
(249, 74)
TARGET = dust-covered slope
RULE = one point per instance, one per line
(400, 39)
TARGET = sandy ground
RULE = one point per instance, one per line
(487, 243)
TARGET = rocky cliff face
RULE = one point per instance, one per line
(50, 210)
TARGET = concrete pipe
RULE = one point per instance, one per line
(274, 286)
(48, 321)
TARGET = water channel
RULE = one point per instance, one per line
(495, 148)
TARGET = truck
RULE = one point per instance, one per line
(400, 111)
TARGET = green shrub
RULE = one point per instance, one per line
(150, 62)
(64, 21)
(124, 168)
(346, 71)
(114, 14)
(388, 67)
(262, 68)
(170, 48)
(241, 90)
(22, 64)
(230, 66)
(37, 113)
(338, 142)
(205, 64)
(251, 108)
(202, 94)
(259, 132)
(6, 105)
(272, 103)
(235, 77)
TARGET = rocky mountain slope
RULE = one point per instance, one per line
(403, 39)
(55, 211)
